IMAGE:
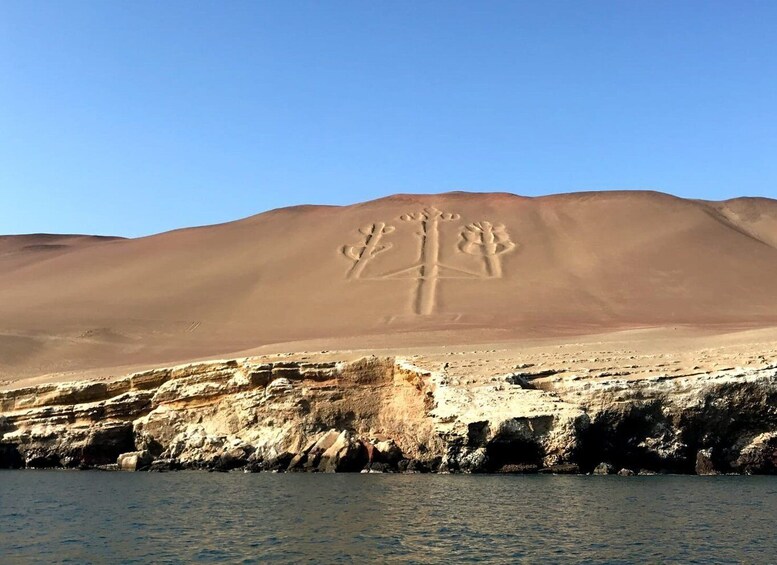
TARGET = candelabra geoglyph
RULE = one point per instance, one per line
(484, 239)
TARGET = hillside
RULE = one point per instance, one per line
(403, 270)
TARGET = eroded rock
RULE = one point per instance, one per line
(759, 456)
(385, 414)
(704, 463)
(604, 469)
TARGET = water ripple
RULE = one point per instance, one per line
(92, 517)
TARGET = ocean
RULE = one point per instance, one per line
(198, 517)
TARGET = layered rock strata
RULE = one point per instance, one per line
(380, 414)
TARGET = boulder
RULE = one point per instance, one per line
(413, 466)
(280, 462)
(232, 459)
(134, 461)
(346, 455)
(475, 461)
(704, 463)
(389, 453)
(604, 469)
(626, 473)
(309, 458)
(164, 465)
(327, 440)
(759, 457)
(561, 469)
(377, 467)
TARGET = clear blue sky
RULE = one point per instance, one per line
(134, 117)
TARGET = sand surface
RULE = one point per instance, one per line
(428, 275)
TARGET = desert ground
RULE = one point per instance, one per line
(635, 278)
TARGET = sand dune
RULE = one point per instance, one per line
(403, 270)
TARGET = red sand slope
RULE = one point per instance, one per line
(473, 266)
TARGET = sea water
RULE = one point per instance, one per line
(191, 517)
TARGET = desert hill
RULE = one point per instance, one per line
(407, 269)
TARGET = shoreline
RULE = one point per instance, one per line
(486, 411)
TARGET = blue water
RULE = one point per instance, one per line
(96, 517)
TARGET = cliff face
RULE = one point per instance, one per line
(387, 414)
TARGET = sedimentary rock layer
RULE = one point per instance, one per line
(388, 414)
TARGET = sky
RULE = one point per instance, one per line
(135, 117)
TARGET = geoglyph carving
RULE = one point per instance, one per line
(369, 248)
(479, 239)
(488, 241)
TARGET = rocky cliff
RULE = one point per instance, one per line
(395, 414)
